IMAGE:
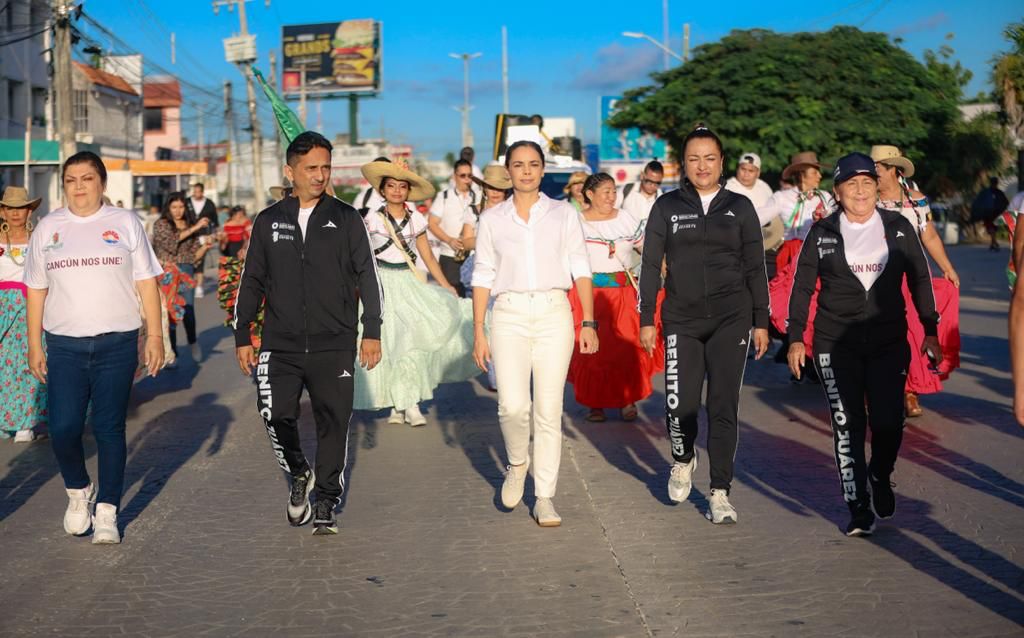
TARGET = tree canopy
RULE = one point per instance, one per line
(830, 92)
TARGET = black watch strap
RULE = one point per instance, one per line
(589, 324)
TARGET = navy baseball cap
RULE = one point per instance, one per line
(852, 165)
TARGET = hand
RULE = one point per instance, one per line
(588, 341)
(952, 277)
(1018, 405)
(456, 243)
(450, 288)
(481, 350)
(202, 223)
(241, 255)
(153, 353)
(649, 339)
(369, 353)
(760, 342)
(797, 354)
(246, 359)
(37, 363)
(932, 344)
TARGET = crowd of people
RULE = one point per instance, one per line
(373, 305)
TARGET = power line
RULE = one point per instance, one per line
(24, 37)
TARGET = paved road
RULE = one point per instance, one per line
(425, 550)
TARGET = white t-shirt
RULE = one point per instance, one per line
(9, 270)
(451, 208)
(379, 235)
(705, 200)
(797, 210)
(758, 194)
(637, 202)
(611, 242)
(865, 248)
(89, 266)
(304, 215)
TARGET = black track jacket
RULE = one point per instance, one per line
(845, 309)
(715, 261)
(312, 287)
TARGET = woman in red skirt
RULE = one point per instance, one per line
(619, 374)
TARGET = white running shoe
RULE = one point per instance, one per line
(197, 352)
(24, 436)
(720, 510)
(680, 481)
(199, 292)
(544, 512)
(414, 417)
(396, 418)
(515, 482)
(78, 516)
(104, 525)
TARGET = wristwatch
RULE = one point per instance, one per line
(590, 324)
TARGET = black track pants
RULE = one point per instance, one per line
(715, 347)
(327, 376)
(452, 270)
(862, 381)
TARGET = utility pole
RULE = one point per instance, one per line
(62, 78)
(302, 94)
(229, 122)
(278, 147)
(664, 31)
(199, 151)
(686, 42)
(245, 66)
(504, 69)
(467, 132)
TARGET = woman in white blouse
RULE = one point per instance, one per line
(529, 252)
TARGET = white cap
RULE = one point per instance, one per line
(751, 158)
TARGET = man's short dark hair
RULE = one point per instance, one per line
(382, 159)
(199, 185)
(461, 162)
(304, 143)
(467, 153)
(654, 166)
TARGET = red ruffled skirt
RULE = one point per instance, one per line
(620, 372)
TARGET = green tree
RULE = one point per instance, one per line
(1008, 79)
(831, 92)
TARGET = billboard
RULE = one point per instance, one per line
(629, 144)
(338, 57)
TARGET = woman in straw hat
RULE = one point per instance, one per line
(574, 190)
(23, 399)
(619, 374)
(427, 333)
(895, 194)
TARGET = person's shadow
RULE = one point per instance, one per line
(166, 443)
(30, 470)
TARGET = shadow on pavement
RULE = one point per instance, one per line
(32, 468)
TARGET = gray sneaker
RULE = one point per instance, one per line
(512, 488)
(299, 510)
(720, 510)
(680, 481)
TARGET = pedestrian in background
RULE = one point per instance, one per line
(531, 331)
(446, 219)
(200, 207)
(88, 265)
(574, 190)
(235, 232)
(638, 197)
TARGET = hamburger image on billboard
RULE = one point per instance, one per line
(352, 53)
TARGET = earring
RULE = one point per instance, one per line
(4, 228)
(29, 226)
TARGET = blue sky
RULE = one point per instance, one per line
(561, 61)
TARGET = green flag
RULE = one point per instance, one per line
(287, 121)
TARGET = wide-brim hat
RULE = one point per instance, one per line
(17, 197)
(277, 193)
(578, 177)
(800, 161)
(891, 156)
(495, 177)
(419, 188)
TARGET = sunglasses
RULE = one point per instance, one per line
(464, 175)
(651, 181)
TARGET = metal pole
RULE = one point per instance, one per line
(259, 195)
(302, 94)
(664, 30)
(504, 69)
(467, 135)
(28, 145)
(353, 119)
(229, 120)
(62, 79)
(199, 151)
(686, 42)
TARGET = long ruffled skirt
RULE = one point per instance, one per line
(22, 397)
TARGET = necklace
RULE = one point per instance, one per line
(10, 251)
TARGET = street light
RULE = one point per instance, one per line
(467, 133)
(644, 36)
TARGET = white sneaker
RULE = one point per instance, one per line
(197, 352)
(104, 525)
(24, 436)
(414, 417)
(78, 515)
(515, 482)
(544, 512)
(171, 365)
(720, 510)
(199, 292)
(680, 481)
(396, 418)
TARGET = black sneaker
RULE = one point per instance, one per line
(883, 499)
(862, 522)
(324, 522)
(299, 511)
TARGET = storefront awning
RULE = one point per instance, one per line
(41, 152)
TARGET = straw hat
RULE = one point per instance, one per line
(17, 197)
(800, 161)
(495, 177)
(578, 177)
(891, 156)
(277, 193)
(419, 188)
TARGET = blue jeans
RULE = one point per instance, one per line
(96, 371)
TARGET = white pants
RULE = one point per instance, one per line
(532, 334)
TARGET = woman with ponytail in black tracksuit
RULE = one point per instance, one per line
(861, 254)
(716, 293)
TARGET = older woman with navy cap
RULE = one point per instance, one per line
(861, 254)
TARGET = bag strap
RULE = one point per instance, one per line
(395, 237)
(627, 189)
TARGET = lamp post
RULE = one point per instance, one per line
(467, 132)
(660, 45)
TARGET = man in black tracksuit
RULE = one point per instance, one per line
(310, 259)
(860, 348)
(715, 291)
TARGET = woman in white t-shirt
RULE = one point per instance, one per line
(23, 397)
(88, 265)
(620, 374)
(426, 330)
